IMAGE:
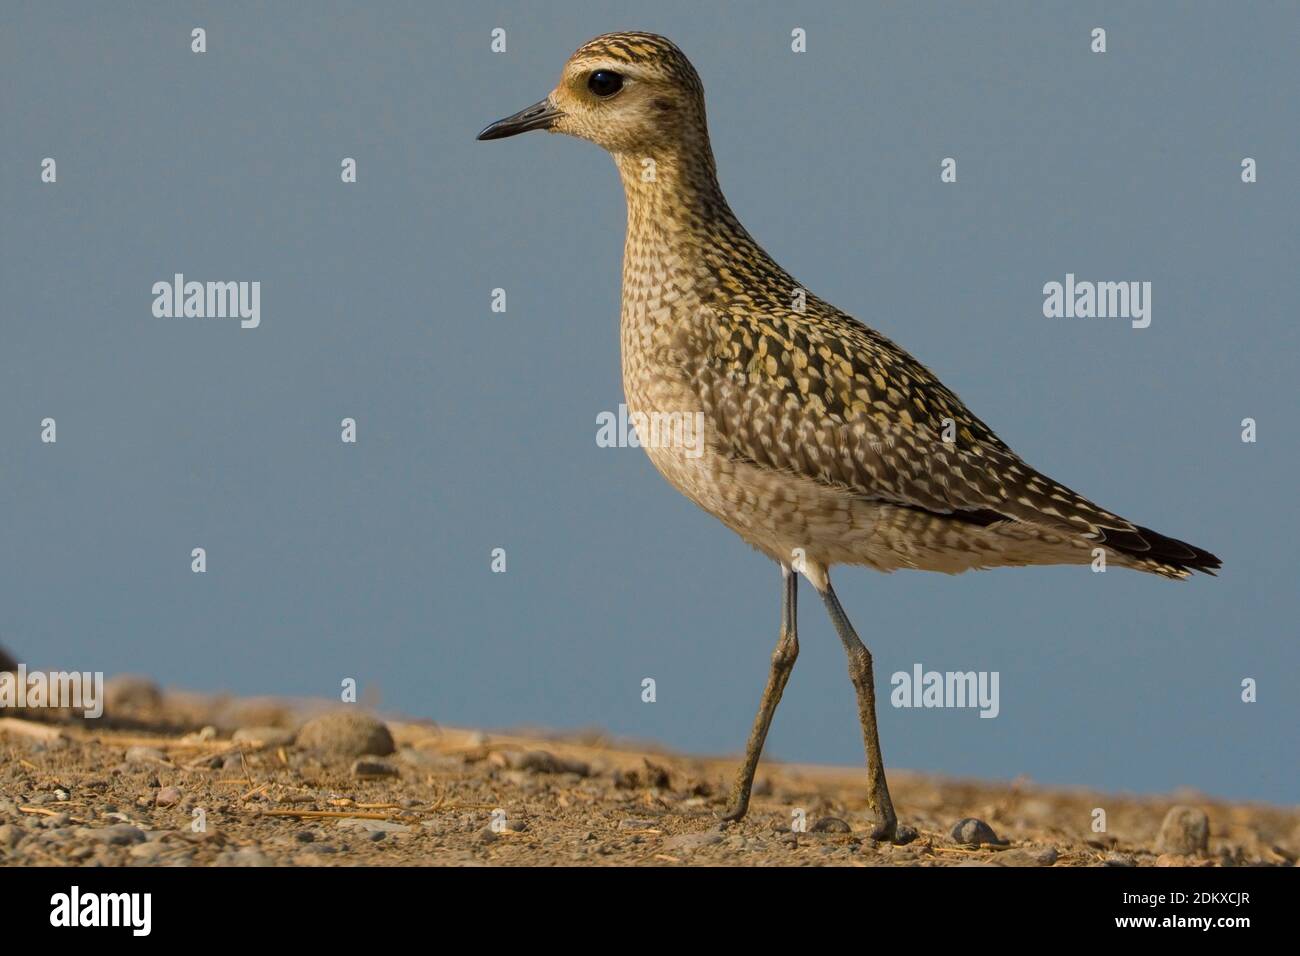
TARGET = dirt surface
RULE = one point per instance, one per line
(160, 781)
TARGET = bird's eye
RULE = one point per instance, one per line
(605, 82)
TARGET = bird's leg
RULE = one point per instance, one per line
(783, 658)
(861, 675)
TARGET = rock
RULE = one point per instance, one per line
(244, 856)
(119, 834)
(147, 756)
(973, 832)
(540, 761)
(1185, 831)
(231, 715)
(373, 826)
(147, 852)
(432, 761)
(830, 825)
(233, 761)
(1118, 859)
(368, 768)
(633, 823)
(263, 736)
(651, 776)
(346, 733)
(167, 797)
(690, 842)
(10, 835)
(7, 662)
(1028, 856)
(128, 692)
(322, 849)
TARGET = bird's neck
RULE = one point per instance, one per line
(678, 221)
(673, 196)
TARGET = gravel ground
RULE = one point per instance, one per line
(183, 780)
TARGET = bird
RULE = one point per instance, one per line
(823, 443)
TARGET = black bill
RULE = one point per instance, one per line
(538, 116)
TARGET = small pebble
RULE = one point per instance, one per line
(125, 692)
(244, 856)
(830, 825)
(1185, 831)
(346, 733)
(372, 826)
(263, 736)
(147, 852)
(148, 756)
(690, 842)
(119, 834)
(975, 832)
(540, 761)
(372, 768)
(1028, 856)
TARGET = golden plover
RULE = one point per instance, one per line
(823, 442)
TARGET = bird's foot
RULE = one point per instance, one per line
(891, 831)
(734, 814)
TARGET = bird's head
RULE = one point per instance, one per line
(630, 93)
